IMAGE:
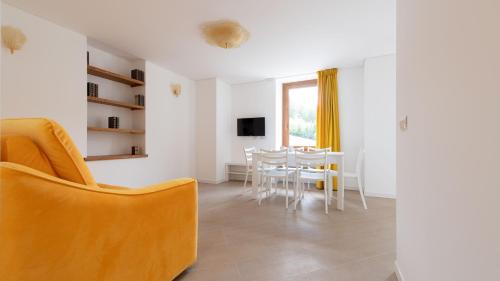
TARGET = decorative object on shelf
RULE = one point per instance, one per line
(13, 38)
(137, 74)
(136, 150)
(113, 122)
(176, 89)
(226, 34)
(92, 90)
(139, 100)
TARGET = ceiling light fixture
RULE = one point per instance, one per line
(226, 34)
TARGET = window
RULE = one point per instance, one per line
(300, 103)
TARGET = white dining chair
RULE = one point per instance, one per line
(274, 166)
(306, 172)
(355, 175)
(310, 148)
(248, 151)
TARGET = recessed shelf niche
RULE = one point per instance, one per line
(116, 97)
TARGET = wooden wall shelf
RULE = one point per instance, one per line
(121, 131)
(96, 71)
(113, 157)
(115, 103)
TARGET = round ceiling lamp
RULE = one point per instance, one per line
(225, 34)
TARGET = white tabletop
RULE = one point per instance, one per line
(333, 153)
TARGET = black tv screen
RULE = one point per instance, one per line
(252, 126)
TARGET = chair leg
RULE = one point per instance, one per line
(258, 190)
(361, 192)
(286, 195)
(325, 188)
(295, 191)
(246, 179)
(329, 184)
(269, 186)
(302, 191)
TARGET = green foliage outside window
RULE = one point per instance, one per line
(302, 122)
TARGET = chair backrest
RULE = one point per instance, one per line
(274, 158)
(359, 160)
(311, 158)
(248, 151)
(53, 141)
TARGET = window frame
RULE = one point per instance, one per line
(286, 105)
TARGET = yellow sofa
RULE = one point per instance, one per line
(57, 223)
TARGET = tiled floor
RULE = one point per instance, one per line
(241, 241)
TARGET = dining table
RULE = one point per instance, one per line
(333, 157)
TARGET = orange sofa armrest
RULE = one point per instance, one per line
(52, 229)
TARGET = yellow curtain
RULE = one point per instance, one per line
(327, 118)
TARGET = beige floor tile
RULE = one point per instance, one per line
(239, 240)
(223, 272)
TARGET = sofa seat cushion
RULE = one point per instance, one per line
(22, 150)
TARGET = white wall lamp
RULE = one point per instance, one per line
(13, 38)
(176, 89)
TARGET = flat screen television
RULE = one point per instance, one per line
(252, 126)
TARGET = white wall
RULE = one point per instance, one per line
(380, 126)
(47, 77)
(223, 128)
(448, 61)
(351, 111)
(213, 128)
(206, 100)
(170, 135)
(256, 99)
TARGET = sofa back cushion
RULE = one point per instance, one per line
(55, 143)
(22, 150)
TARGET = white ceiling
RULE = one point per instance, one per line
(288, 37)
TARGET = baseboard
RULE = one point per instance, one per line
(397, 270)
(371, 194)
(353, 188)
(367, 194)
(211, 181)
(380, 195)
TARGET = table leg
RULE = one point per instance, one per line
(340, 195)
(226, 172)
(255, 175)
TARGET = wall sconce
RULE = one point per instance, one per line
(176, 89)
(13, 38)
